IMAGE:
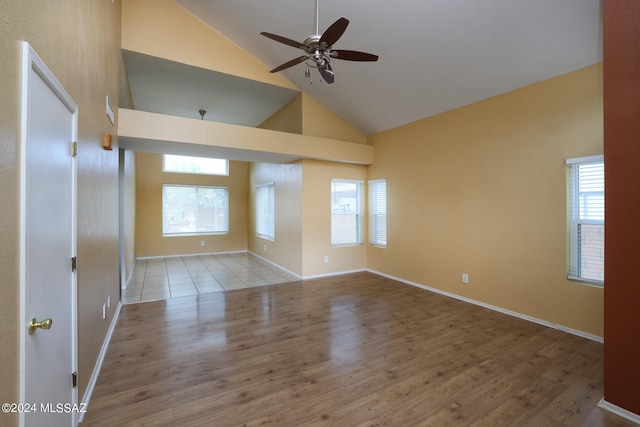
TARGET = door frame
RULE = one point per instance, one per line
(31, 61)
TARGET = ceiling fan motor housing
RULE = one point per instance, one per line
(318, 50)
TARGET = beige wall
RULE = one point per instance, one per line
(303, 217)
(164, 29)
(478, 190)
(287, 119)
(306, 116)
(80, 42)
(481, 190)
(317, 120)
(149, 239)
(155, 132)
(286, 249)
(316, 220)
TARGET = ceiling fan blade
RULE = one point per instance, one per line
(289, 64)
(334, 32)
(327, 73)
(353, 55)
(284, 40)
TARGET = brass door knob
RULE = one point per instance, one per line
(45, 324)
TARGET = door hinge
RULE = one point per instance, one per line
(74, 379)
(74, 149)
(74, 264)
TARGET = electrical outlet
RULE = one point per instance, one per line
(265, 248)
(326, 259)
(104, 311)
(201, 242)
(465, 278)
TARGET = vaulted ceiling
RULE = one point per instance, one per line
(435, 55)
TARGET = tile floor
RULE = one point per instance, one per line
(162, 278)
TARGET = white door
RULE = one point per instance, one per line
(48, 245)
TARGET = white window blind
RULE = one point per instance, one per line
(194, 210)
(585, 219)
(346, 218)
(265, 211)
(378, 212)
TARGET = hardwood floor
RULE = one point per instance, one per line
(352, 350)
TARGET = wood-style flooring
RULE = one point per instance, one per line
(352, 350)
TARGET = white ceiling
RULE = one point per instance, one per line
(435, 55)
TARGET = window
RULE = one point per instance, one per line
(194, 210)
(346, 219)
(195, 165)
(378, 212)
(265, 211)
(585, 219)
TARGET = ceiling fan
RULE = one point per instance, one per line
(318, 49)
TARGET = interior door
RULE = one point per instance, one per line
(48, 246)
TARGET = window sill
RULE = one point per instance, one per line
(587, 282)
(378, 245)
(221, 233)
(346, 245)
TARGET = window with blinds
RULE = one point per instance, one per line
(378, 212)
(585, 219)
(265, 211)
(188, 210)
(346, 216)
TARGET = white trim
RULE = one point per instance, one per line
(25, 51)
(143, 258)
(360, 214)
(31, 61)
(96, 369)
(542, 322)
(275, 265)
(588, 159)
(190, 234)
(133, 268)
(337, 273)
(350, 181)
(607, 406)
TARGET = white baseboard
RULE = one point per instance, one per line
(98, 365)
(607, 406)
(275, 265)
(314, 276)
(142, 258)
(572, 331)
(337, 273)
